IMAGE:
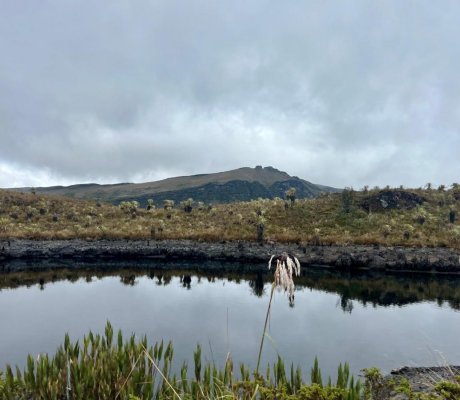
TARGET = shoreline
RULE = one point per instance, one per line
(350, 257)
(421, 380)
(340, 258)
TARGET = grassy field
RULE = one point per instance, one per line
(418, 217)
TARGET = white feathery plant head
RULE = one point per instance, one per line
(287, 266)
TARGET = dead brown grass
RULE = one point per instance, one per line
(314, 221)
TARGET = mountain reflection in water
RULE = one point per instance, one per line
(377, 289)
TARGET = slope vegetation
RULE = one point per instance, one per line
(379, 217)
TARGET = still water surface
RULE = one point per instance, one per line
(382, 321)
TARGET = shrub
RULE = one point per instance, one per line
(150, 205)
(386, 230)
(291, 195)
(347, 199)
(129, 207)
(168, 204)
(260, 224)
(186, 205)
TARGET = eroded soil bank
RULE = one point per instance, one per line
(431, 260)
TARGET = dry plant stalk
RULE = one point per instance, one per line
(287, 266)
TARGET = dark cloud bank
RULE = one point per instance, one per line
(339, 93)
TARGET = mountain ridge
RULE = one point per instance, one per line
(242, 184)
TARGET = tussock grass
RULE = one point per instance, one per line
(110, 367)
(320, 221)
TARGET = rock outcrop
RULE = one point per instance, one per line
(404, 259)
(408, 383)
(391, 199)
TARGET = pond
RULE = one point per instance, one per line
(367, 320)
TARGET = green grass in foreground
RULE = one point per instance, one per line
(108, 367)
(330, 219)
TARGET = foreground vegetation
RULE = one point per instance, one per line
(108, 367)
(419, 217)
(104, 367)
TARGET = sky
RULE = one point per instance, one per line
(341, 93)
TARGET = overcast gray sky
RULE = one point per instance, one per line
(342, 93)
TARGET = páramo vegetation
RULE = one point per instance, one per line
(389, 216)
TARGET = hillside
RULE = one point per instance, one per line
(388, 217)
(241, 184)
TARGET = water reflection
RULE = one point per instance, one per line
(377, 289)
(186, 281)
(257, 285)
(129, 280)
(386, 289)
(338, 317)
(346, 304)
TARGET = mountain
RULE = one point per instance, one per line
(241, 184)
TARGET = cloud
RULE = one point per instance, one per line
(344, 94)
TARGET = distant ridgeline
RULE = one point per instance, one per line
(241, 184)
(236, 190)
